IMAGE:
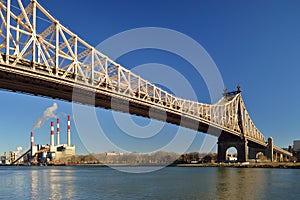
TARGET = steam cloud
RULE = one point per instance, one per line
(19, 151)
(48, 113)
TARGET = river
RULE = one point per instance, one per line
(83, 182)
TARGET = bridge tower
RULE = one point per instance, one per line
(227, 140)
(245, 149)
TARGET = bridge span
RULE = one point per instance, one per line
(40, 56)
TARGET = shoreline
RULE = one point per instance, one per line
(280, 165)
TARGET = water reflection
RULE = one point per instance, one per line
(51, 184)
(240, 183)
(169, 183)
(34, 184)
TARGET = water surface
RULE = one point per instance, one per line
(169, 183)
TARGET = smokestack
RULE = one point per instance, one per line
(52, 134)
(32, 140)
(57, 133)
(32, 147)
(69, 131)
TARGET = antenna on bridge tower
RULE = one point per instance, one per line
(233, 93)
(224, 91)
(239, 89)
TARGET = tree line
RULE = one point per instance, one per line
(159, 157)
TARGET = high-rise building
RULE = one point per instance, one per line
(296, 145)
(296, 149)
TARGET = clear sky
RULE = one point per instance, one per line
(254, 43)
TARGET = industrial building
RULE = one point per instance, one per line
(53, 153)
(4, 160)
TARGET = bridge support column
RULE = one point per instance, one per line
(275, 157)
(286, 158)
(281, 157)
(254, 152)
(270, 150)
(227, 141)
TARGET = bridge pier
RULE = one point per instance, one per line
(270, 149)
(275, 157)
(227, 141)
(281, 158)
(246, 149)
(286, 158)
(253, 152)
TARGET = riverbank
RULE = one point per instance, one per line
(283, 165)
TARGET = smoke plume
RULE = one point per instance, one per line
(48, 113)
(18, 151)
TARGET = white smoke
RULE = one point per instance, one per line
(48, 113)
(19, 150)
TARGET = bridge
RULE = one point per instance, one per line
(40, 56)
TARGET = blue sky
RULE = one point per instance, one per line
(255, 44)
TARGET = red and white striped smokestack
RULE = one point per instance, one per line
(52, 134)
(32, 139)
(57, 133)
(69, 131)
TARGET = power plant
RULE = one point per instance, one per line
(46, 154)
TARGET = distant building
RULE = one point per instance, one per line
(232, 157)
(296, 149)
(4, 160)
(296, 145)
(113, 154)
(12, 157)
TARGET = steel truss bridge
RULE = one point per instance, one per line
(40, 56)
